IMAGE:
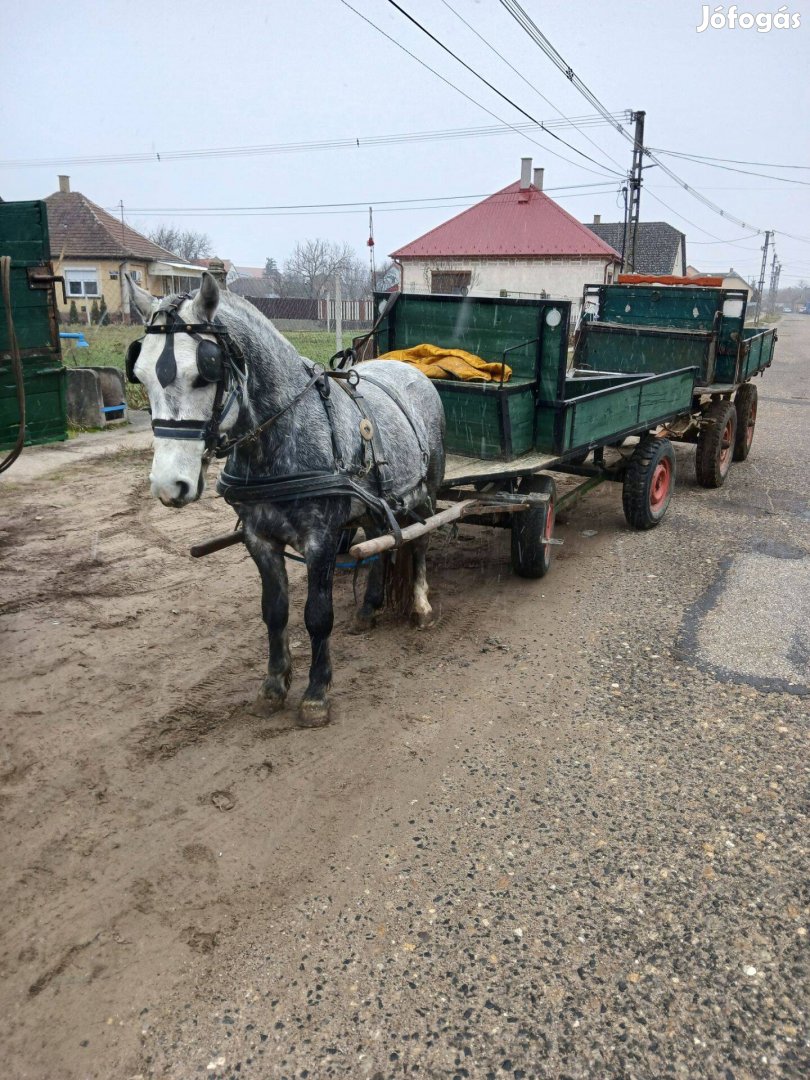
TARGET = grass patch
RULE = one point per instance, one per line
(108, 346)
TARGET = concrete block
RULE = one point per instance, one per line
(111, 383)
(84, 400)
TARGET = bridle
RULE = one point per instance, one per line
(219, 362)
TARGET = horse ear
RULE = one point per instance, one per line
(143, 302)
(207, 299)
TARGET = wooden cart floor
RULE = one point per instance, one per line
(465, 470)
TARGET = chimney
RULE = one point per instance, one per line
(538, 179)
(64, 184)
(597, 219)
(525, 173)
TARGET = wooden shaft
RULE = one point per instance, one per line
(411, 532)
(217, 543)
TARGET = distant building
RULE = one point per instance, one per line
(517, 242)
(731, 279)
(93, 249)
(660, 248)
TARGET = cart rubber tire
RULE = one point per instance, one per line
(745, 402)
(715, 446)
(648, 482)
(530, 558)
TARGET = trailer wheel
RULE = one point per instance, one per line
(530, 557)
(648, 482)
(745, 403)
(715, 446)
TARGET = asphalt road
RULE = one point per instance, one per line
(562, 834)
(607, 874)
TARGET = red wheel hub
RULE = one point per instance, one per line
(660, 485)
(726, 445)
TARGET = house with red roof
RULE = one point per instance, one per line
(517, 242)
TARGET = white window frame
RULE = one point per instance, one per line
(82, 276)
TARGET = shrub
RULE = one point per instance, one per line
(94, 313)
(73, 314)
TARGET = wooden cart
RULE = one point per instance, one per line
(504, 439)
(661, 328)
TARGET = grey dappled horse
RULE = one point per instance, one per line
(216, 370)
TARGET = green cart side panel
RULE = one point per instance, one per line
(484, 421)
(24, 236)
(680, 307)
(757, 351)
(613, 347)
(634, 404)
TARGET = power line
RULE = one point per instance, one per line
(345, 143)
(319, 209)
(543, 43)
(531, 86)
(731, 168)
(463, 93)
(487, 83)
(730, 161)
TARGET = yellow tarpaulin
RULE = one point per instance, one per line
(439, 363)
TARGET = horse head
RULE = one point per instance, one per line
(187, 369)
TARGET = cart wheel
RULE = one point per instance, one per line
(648, 482)
(745, 403)
(530, 557)
(715, 446)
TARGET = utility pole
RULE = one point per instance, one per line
(634, 196)
(765, 247)
(772, 287)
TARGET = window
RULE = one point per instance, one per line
(450, 282)
(82, 282)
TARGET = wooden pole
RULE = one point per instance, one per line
(411, 532)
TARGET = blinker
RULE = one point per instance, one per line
(133, 352)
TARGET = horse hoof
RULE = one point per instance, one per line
(313, 713)
(270, 702)
(361, 624)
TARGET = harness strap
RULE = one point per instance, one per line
(397, 400)
(235, 489)
(230, 444)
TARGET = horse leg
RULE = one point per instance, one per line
(374, 597)
(269, 557)
(319, 618)
(422, 610)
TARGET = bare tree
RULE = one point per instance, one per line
(386, 276)
(312, 267)
(185, 243)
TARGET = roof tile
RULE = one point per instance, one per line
(514, 223)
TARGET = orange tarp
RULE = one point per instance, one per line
(439, 363)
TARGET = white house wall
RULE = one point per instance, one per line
(562, 278)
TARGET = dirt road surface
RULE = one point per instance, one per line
(561, 834)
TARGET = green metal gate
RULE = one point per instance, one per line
(24, 237)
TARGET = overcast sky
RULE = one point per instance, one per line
(122, 78)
